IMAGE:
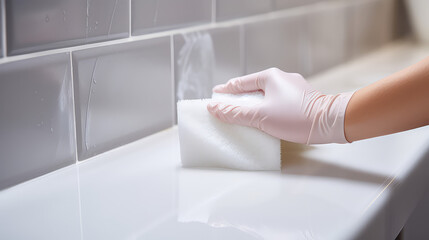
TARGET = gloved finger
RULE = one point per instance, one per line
(241, 115)
(249, 83)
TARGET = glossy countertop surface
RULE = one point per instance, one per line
(363, 190)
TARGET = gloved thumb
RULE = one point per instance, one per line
(241, 115)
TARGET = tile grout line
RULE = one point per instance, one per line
(207, 26)
(3, 30)
(74, 108)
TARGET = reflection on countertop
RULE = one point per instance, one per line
(140, 191)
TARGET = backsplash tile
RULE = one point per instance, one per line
(277, 43)
(204, 59)
(107, 20)
(401, 21)
(229, 9)
(36, 118)
(228, 49)
(1, 31)
(159, 15)
(326, 29)
(44, 24)
(282, 4)
(387, 21)
(370, 25)
(123, 93)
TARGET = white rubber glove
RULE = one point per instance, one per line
(291, 110)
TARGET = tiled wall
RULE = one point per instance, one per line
(46, 24)
(78, 77)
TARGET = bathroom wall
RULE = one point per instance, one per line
(79, 77)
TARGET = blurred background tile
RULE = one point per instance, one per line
(1, 31)
(327, 37)
(228, 51)
(123, 92)
(204, 59)
(36, 123)
(401, 21)
(387, 16)
(277, 43)
(282, 4)
(229, 9)
(159, 15)
(370, 24)
(46, 24)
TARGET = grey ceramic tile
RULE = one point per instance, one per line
(370, 24)
(277, 43)
(46, 24)
(1, 30)
(401, 20)
(327, 37)
(227, 46)
(204, 59)
(45, 208)
(36, 118)
(123, 93)
(158, 15)
(229, 9)
(387, 28)
(281, 4)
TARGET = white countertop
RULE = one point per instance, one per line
(364, 190)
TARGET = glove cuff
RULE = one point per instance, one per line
(328, 122)
(343, 102)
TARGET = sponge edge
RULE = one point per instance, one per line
(207, 142)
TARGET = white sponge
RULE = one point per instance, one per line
(207, 142)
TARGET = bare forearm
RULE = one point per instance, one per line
(397, 103)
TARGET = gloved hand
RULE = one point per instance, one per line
(291, 110)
